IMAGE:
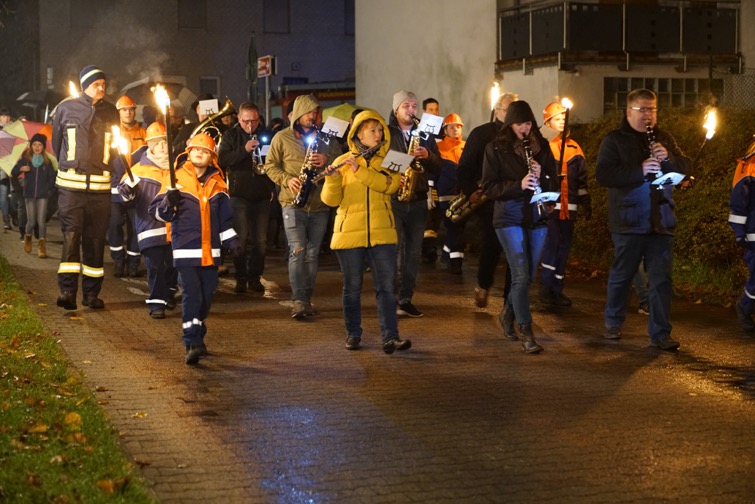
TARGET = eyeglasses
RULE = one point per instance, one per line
(642, 110)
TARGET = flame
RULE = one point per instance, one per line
(72, 90)
(495, 93)
(710, 123)
(566, 102)
(116, 143)
(162, 98)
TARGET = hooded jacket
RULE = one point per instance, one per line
(364, 217)
(635, 206)
(203, 221)
(79, 132)
(286, 157)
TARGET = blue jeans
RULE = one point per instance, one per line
(522, 248)
(382, 261)
(304, 232)
(629, 250)
(250, 221)
(4, 201)
(410, 225)
(36, 215)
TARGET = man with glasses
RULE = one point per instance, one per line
(470, 175)
(251, 194)
(81, 141)
(641, 214)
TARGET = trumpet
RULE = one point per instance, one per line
(541, 213)
(257, 165)
(409, 182)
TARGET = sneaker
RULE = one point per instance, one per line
(480, 297)
(666, 343)
(158, 313)
(408, 310)
(240, 287)
(67, 300)
(612, 333)
(256, 286)
(643, 309)
(394, 344)
(193, 352)
(299, 311)
(745, 319)
(352, 343)
(93, 302)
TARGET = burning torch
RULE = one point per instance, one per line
(710, 129)
(567, 104)
(495, 93)
(163, 101)
(121, 144)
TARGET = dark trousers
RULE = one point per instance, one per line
(162, 277)
(250, 221)
(747, 301)
(123, 246)
(84, 218)
(197, 284)
(490, 251)
(556, 252)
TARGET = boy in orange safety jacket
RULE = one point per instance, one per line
(742, 222)
(200, 214)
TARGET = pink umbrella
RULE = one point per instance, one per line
(22, 131)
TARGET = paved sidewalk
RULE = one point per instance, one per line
(281, 412)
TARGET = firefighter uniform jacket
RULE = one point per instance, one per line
(81, 140)
(139, 194)
(574, 181)
(203, 220)
(742, 200)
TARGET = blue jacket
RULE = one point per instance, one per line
(203, 221)
(635, 206)
(38, 182)
(148, 180)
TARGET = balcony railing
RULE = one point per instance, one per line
(592, 32)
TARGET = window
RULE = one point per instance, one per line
(192, 14)
(276, 16)
(672, 92)
(210, 85)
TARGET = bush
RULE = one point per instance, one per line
(707, 264)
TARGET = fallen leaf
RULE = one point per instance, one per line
(103, 402)
(107, 486)
(86, 362)
(699, 301)
(42, 304)
(73, 419)
(38, 429)
(75, 318)
(57, 459)
(139, 414)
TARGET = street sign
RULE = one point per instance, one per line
(264, 66)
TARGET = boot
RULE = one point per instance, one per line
(42, 248)
(119, 268)
(6, 223)
(27, 243)
(529, 345)
(507, 319)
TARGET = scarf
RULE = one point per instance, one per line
(37, 160)
(160, 160)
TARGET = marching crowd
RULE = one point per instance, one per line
(184, 206)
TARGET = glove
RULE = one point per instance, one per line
(127, 192)
(742, 242)
(174, 197)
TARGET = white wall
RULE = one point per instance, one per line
(445, 49)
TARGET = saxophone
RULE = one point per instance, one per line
(307, 173)
(409, 178)
(541, 212)
(461, 207)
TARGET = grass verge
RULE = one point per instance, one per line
(55, 443)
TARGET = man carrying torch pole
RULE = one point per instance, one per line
(573, 174)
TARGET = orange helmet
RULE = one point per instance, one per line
(203, 141)
(552, 110)
(124, 102)
(452, 119)
(156, 131)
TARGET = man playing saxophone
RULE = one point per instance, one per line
(410, 203)
(305, 227)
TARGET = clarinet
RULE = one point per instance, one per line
(650, 135)
(541, 213)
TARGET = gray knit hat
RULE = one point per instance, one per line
(401, 96)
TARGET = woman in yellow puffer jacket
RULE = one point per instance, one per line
(364, 230)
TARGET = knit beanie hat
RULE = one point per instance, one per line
(39, 137)
(519, 112)
(399, 98)
(89, 74)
